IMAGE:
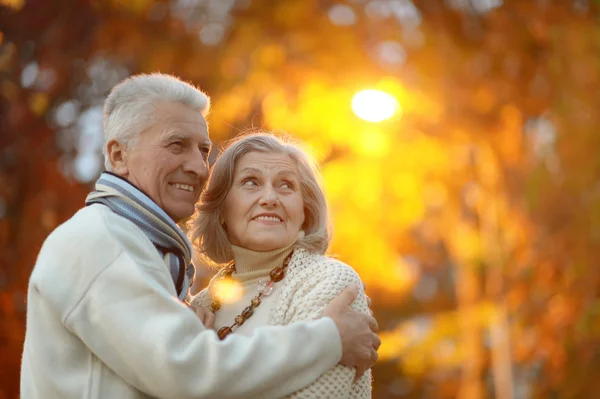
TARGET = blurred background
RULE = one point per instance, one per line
(458, 139)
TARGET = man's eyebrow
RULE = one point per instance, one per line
(184, 137)
(176, 135)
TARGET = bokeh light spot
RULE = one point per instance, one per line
(374, 105)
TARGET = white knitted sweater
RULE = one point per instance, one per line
(311, 282)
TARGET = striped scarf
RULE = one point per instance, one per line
(128, 201)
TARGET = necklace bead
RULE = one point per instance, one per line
(223, 332)
(276, 274)
(247, 312)
(264, 288)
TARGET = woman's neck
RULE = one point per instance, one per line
(249, 261)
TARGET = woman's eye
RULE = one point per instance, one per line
(249, 182)
(287, 185)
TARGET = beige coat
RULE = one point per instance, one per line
(103, 322)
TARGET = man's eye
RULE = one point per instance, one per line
(176, 144)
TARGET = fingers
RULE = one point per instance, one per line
(209, 320)
(359, 373)
(368, 298)
(206, 317)
(345, 298)
(374, 357)
(373, 324)
(200, 313)
(376, 342)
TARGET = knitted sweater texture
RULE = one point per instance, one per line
(311, 282)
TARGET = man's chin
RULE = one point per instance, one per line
(181, 214)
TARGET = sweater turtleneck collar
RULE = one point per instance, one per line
(258, 262)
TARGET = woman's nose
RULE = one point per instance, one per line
(269, 197)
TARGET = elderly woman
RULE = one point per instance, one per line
(263, 218)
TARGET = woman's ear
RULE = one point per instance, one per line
(117, 155)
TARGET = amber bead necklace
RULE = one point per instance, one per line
(265, 287)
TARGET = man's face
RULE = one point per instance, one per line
(169, 161)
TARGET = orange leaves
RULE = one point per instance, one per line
(38, 103)
(14, 4)
(134, 6)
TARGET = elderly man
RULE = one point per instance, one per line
(103, 315)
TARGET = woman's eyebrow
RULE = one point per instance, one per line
(250, 169)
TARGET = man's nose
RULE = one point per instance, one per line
(197, 165)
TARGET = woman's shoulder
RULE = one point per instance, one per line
(314, 280)
(315, 266)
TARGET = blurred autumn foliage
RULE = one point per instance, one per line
(473, 215)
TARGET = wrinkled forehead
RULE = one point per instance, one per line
(266, 162)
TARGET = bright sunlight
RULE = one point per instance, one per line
(374, 105)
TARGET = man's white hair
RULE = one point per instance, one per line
(129, 108)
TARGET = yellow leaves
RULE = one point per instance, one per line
(269, 56)
(436, 340)
(276, 109)
(511, 116)
(14, 4)
(372, 143)
(386, 278)
(435, 194)
(510, 140)
(465, 243)
(393, 344)
(294, 13)
(412, 102)
(227, 107)
(488, 168)
(233, 67)
(483, 100)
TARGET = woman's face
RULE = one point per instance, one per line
(264, 209)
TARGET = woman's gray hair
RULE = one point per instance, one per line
(206, 231)
(129, 108)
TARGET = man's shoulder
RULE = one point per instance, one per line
(90, 240)
(92, 228)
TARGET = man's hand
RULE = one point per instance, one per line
(357, 331)
(206, 316)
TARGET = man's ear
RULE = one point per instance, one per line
(117, 155)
